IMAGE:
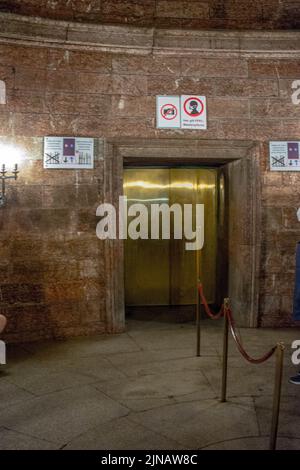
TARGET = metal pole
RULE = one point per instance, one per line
(198, 307)
(198, 324)
(225, 353)
(277, 394)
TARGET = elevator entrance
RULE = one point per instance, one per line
(162, 272)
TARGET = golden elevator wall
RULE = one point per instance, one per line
(162, 272)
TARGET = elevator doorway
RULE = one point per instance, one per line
(160, 275)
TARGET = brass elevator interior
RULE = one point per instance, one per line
(162, 272)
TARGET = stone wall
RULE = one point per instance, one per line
(52, 265)
(188, 14)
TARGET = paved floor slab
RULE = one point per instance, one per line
(122, 434)
(145, 389)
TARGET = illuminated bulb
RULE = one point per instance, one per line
(10, 156)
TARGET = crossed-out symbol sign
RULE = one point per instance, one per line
(169, 111)
(278, 161)
(193, 106)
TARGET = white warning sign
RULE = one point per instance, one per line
(285, 156)
(68, 153)
(168, 112)
(193, 112)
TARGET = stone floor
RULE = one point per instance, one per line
(145, 389)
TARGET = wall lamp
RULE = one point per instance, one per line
(10, 157)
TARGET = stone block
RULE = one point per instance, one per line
(265, 130)
(233, 129)
(87, 221)
(45, 222)
(272, 179)
(146, 65)
(70, 196)
(246, 88)
(66, 292)
(291, 179)
(271, 304)
(134, 106)
(290, 129)
(290, 220)
(285, 88)
(21, 101)
(22, 293)
(7, 74)
(25, 196)
(206, 67)
(272, 218)
(22, 318)
(78, 247)
(180, 85)
(120, 11)
(279, 196)
(94, 83)
(64, 314)
(241, 9)
(274, 108)
(24, 248)
(129, 85)
(29, 124)
(61, 80)
(47, 270)
(6, 124)
(273, 68)
(4, 271)
(24, 56)
(182, 9)
(71, 104)
(28, 78)
(79, 61)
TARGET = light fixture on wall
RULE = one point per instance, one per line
(10, 157)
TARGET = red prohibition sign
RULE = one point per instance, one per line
(194, 112)
(168, 111)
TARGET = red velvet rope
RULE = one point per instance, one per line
(213, 316)
(227, 311)
(246, 356)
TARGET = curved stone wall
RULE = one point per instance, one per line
(64, 80)
(187, 14)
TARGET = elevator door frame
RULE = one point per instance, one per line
(239, 159)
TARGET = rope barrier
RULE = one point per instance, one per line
(226, 311)
(229, 323)
(240, 347)
(213, 316)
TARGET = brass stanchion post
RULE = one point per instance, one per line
(277, 394)
(198, 306)
(225, 353)
(198, 325)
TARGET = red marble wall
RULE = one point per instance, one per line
(188, 14)
(52, 264)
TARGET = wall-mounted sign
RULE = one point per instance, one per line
(181, 112)
(285, 156)
(193, 112)
(168, 112)
(68, 153)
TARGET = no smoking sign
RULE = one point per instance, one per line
(185, 112)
